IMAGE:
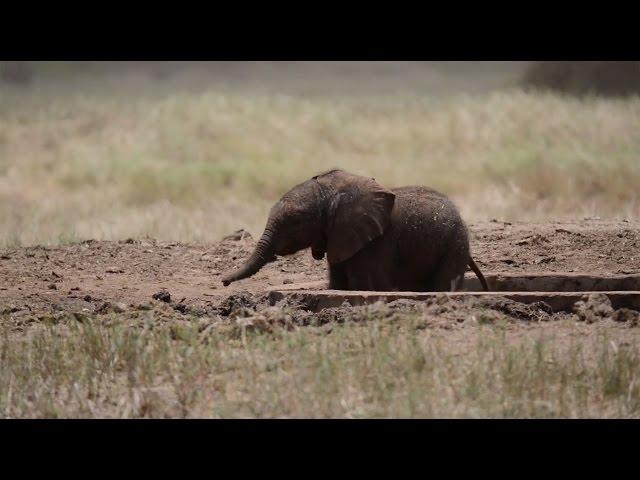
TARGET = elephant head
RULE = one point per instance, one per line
(336, 213)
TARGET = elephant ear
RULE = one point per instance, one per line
(359, 213)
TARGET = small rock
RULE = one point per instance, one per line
(238, 235)
(52, 286)
(626, 315)
(546, 259)
(163, 296)
(108, 307)
(9, 309)
(119, 307)
(103, 308)
(287, 281)
(87, 298)
(80, 317)
(181, 307)
(114, 270)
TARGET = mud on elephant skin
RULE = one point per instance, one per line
(408, 238)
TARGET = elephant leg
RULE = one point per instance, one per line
(458, 283)
(448, 275)
(338, 277)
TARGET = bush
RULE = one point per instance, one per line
(19, 73)
(582, 78)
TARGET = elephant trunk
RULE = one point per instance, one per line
(260, 256)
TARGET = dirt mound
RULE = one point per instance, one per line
(596, 307)
(537, 311)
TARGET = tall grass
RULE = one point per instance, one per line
(194, 166)
(373, 368)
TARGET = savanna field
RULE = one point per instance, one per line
(172, 168)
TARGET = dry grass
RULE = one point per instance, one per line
(379, 366)
(194, 166)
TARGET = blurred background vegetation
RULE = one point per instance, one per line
(190, 151)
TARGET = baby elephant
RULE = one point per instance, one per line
(407, 238)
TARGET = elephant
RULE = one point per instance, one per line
(400, 239)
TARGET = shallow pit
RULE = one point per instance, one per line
(559, 290)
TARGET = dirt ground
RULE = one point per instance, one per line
(99, 276)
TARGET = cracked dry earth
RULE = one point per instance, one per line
(101, 276)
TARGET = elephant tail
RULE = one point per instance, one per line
(479, 274)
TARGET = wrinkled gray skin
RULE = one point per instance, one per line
(406, 239)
